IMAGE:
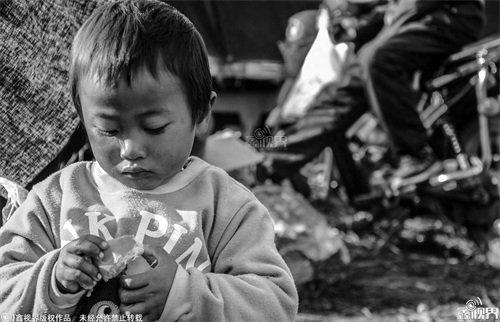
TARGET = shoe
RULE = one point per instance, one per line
(418, 168)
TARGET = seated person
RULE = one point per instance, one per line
(417, 35)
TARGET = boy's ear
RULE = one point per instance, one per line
(213, 97)
(204, 125)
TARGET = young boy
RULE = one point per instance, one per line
(142, 88)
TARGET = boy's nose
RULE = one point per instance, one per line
(132, 149)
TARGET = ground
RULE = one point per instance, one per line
(401, 268)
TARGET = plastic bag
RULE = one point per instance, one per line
(15, 197)
(324, 65)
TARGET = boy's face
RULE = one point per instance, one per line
(140, 134)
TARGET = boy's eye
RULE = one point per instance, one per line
(156, 131)
(108, 133)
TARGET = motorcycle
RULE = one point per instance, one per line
(460, 108)
(461, 111)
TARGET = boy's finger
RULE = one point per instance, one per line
(135, 281)
(77, 276)
(136, 308)
(101, 243)
(129, 297)
(81, 264)
(85, 247)
(140, 308)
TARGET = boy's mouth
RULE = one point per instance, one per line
(135, 172)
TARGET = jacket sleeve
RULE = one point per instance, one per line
(28, 253)
(249, 280)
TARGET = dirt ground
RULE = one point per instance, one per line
(405, 287)
(402, 268)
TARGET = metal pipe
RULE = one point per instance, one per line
(481, 95)
(474, 170)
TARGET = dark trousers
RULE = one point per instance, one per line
(392, 58)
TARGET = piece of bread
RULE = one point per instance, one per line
(137, 266)
(121, 251)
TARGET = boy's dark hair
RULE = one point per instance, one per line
(121, 37)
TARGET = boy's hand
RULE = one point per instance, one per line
(74, 269)
(147, 293)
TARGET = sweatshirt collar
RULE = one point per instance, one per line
(107, 184)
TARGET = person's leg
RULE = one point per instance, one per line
(303, 147)
(322, 126)
(391, 60)
(390, 66)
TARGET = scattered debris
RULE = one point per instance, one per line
(401, 268)
(300, 228)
